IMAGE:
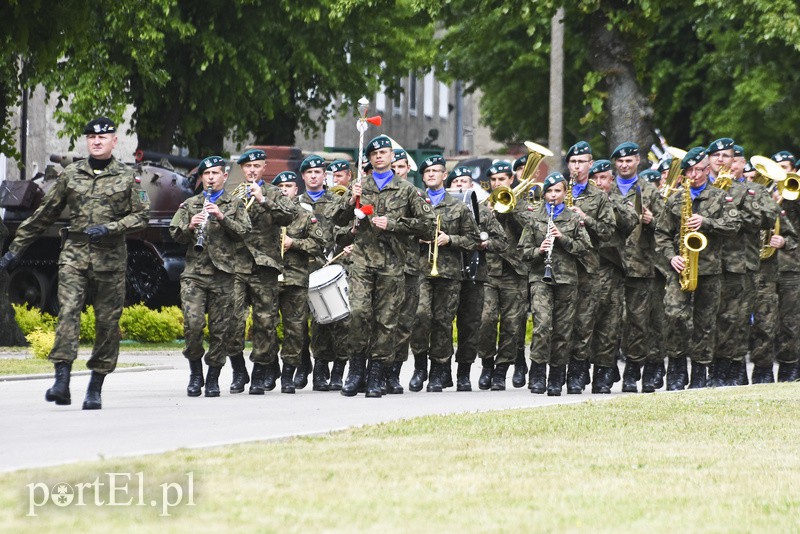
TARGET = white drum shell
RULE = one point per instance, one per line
(328, 294)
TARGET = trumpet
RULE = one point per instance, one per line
(504, 199)
(283, 241)
(433, 248)
(548, 260)
(200, 244)
(242, 192)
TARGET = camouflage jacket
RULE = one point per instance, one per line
(611, 250)
(458, 223)
(407, 214)
(308, 243)
(497, 241)
(720, 219)
(735, 248)
(784, 259)
(639, 253)
(599, 223)
(262, 246)
(221, 237)
(769, 211)
(507, 256)
(112, 198)
(572, 244)
(324, 209)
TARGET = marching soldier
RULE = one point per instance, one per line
(258, 264)
(211, 223)
(713, 215)
(105, 202)
(341, 172)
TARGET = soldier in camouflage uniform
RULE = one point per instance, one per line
(692, 316)
(594, 209)
(105, 202)
(377, 281)
(640, 260)
(610, 277)
(258, 264)
(207, 281)
(302, 248)
(432, 332)
(554, 250)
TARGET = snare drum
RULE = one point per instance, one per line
(327, 294)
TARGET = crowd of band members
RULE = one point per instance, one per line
(612, 245)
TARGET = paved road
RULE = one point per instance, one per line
(149, 412)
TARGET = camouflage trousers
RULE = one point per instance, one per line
(375, 302)
(658, 318)
(583, 332)
(692, 319)
(610, 296)
(432, 332)
(553, 307)
(468, 320)
(259, 290)
(636, 332)
(108, 289)
(788, 299)
(766, 318)
(212, 295)
(408, 311)
(504, 297)
(293, 306)
(329, 341)
(733, 320)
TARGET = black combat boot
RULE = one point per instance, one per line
(721, 369)
(499, 376)
(575, 382)
(537, 378)
(259, 373)
(676, 374)
(699, 375)
(631, 376)
(763, 375)
(658, 379)
(393, 386)
(462, 376)
(649, 377)
(485, 380)
(287, 378)
(603, 380)
(520, 371)
(555, 381)
(337, 374)
(375, 379)
(319, 380)
(355, 376)
(794, 372)
(303, 370)
(787, 372)
(741, 373)
(212, 381)
(420, 372)
(436, 379)
(271, 377)
(586, 375)
(93, 400)
(447, 373)
(196, 382)
(59, 393)
(240, 377)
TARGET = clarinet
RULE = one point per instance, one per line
(548, 261)
(200, 244)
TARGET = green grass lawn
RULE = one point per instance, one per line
(32, 366)
(725, 460)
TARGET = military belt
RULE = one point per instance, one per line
(80, 237)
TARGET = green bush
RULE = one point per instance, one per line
(87, 325)
(42, 342)
(140, 323)
(32, 319)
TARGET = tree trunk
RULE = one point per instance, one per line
(10, 334)
(629, 113)
(280, 130)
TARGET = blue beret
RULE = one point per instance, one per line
(552, 179)
(431, 161)
(625, 149)
(578, 149)
(210, 161)
(499, 167)
(693, 157)
(311, 162)
(100, 125)
(284, 177)
(738, 151)
(520, 162)
(339, 165)
(457, 173)
(650, 175)
(382, 141)
(724, 143)
(784, 155)
(399, 154)
(664, 165)
(254, 154)
(601, 165)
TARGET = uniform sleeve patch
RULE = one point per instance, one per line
(751, 192)
(138, 179)
(530, 208)
(733, 212)
(143, 197)
(728, 199)
(313, 219)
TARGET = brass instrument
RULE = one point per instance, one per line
(283, 241)
(770, 174)
(504, 199)
(569, 200)
(433, 248)
(242, 192)
(724, 179)
(338, 190)
(790, 187)
(548, 260)
(674, 172)
(690, 244)
(200, 232)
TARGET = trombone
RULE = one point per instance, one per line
(504, 199)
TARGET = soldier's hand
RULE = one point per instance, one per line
(777, 241)
(287, 243)
(96, 232)
(214, 211)
(196, 221)
(443, 239)
(546, 246)
(348, 250)
(678, 263)
(695, 222)
(8, 260)
(483, 245)
(256, 193)
(556, 233)
(380, 222)
(356, 192)
(647, 215)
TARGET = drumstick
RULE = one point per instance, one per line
(333, 259)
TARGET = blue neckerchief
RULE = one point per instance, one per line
(578, 189)
(315, 195)
(711, 178)
(382, 178)
(697, 190)
(214, 196)
(555, 210)
(742, 179)
(625, 185)
(260, 183)
(436, 196)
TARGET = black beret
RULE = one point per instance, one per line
(312, 162)
(724, 143)
(382, 141)
(578, 149)
(399, 154)
(339, 165)
(748, 167)
(693, 157)
(738, 151)
(285, 177)
(784, 155)
(254, 154)
(601, 165)
(457, 173)
(552, 179)
(625, 149)
(520, 162)
(431, 161)
(100, 125)
(664, 165)
(499, 167)
(210, 161)
(651, 175)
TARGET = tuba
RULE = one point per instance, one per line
(690, 244)
(504, 199)
(770, 174)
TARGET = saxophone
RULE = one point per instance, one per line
(690, 244)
